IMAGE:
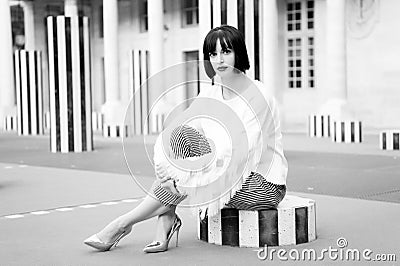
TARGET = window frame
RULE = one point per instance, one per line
(143, 16)
(307, 50)
(194, 9)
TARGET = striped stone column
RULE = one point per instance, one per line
(10, 123)
(158, 123)
(69, 82)
(389, 139)
(293, 222)
(138, 75)
(115, 131)
(319, 126)
(245, 16)
(97, 121)
(347, 131)
(29, 88)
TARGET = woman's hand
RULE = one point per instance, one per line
(166, 180)
(163, 174)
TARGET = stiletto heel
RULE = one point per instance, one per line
(177, 236)
(95, 242)
(163, 246)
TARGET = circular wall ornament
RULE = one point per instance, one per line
(362, 15)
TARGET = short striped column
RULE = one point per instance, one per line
(69, 83)
(97, 121)
(138, 75)
(10, 123)
(319, 126)
(115, 131)
(158, 123)
(29, 92)
(389, 139)
(292, 223)
(347, 131)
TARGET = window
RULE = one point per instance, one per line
(18, 26)
(300, 43)
(190, 12)
(143, 16)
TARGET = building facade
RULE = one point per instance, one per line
(335, 56)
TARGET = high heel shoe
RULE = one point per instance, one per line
(96, 243)
(158, 246)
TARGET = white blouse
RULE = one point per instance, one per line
(262, 124)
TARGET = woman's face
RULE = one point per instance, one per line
(222, 60)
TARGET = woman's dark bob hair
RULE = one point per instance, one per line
(231, 38)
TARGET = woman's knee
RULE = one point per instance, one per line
(169, 186)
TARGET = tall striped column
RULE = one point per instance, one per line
(69, 82)
(138, 75)
(245, 16)
(28, 84)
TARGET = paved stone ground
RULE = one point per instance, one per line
(50, 202)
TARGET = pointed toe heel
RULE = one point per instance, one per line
(95, 242)
(158, 246)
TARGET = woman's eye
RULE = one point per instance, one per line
(213, 54)
(227, 51)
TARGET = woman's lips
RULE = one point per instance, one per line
(221, 68)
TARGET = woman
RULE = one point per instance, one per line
(261, 169)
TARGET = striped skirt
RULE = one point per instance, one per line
(167, 195)
(257, 194)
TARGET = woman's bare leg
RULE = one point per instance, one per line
(164, 224)
(147, 209)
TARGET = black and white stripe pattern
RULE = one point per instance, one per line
(319, 126)
(158, 123)
(186, 142)
(69, 82)
(347, 131)
(139, 73)
(389, 139)
(293, 222)
(167, 197)
(29, 92)
(257, 194)
(115, 131)
(97, 121)
(245, 16)
(10, 123)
